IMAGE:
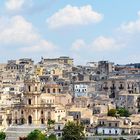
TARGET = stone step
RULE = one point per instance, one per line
(14, 132)
(12, 138)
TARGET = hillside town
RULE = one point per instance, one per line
(31, 94)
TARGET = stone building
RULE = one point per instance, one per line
(36, 107)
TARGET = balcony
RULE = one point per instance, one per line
(121, 88)
(112, 88)
(105, 88)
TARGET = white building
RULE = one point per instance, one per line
(80, 90)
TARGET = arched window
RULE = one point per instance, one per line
(29, 88)
(42, 121)
(29, 101)
(54, 90)
(59, 90)
(15, 121)
(22, 120)
(30, 119)
(35, 88)
(41, 111)
(48, 90)
(21, 111)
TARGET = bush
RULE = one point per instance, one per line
(52, 137)
(112, 112)
(36, 135)
(2, 136)
(123, 112)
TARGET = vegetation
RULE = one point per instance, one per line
(2, 136)
(120, 111)
(52, 137)
(112, 112)
(50, 122)
(73, 131)
(36, 135)
(108, 139)
(123, 112)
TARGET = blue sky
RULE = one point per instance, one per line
(87, 30)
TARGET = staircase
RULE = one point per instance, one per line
(14, 132)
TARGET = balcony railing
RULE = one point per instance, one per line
(112, 88)
(121, 88)
(105, 88)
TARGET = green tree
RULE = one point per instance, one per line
(36, 135)
(112, 112)
(2, 136)
(52, 137)
(108, 139)
(73, 131)
(123, 112)
(50, 122)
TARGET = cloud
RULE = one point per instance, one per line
(131, 27)
(17, 31)
(14, 4)
(99, 44)
(17, 5)
(78, 45)
(72, 15)
(102, 43)
(42, 46)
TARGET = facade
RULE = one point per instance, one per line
(61, 60)
(56, 89)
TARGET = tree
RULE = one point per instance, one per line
(123, 112)
(108, 139)
(2, 136)
(112, 112)
(50, 122)
(36, 135)
(73, 131)
(52, 137)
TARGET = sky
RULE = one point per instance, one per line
(86, 30)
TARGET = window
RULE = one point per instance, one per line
(54, 90)
(29, 88)
(109, 124)
(109, 131)
(48, 90)
(42, 121)
(59, 134)
(10, 121)
(35, 88)
(59, 90)
(58, 127)
(103, 131)
(116, 124)
(116, 132)
(29, 101)
(77, 116)
(42, 112)
(21, 111)
(15, 121)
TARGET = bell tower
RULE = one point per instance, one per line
(32, 91)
